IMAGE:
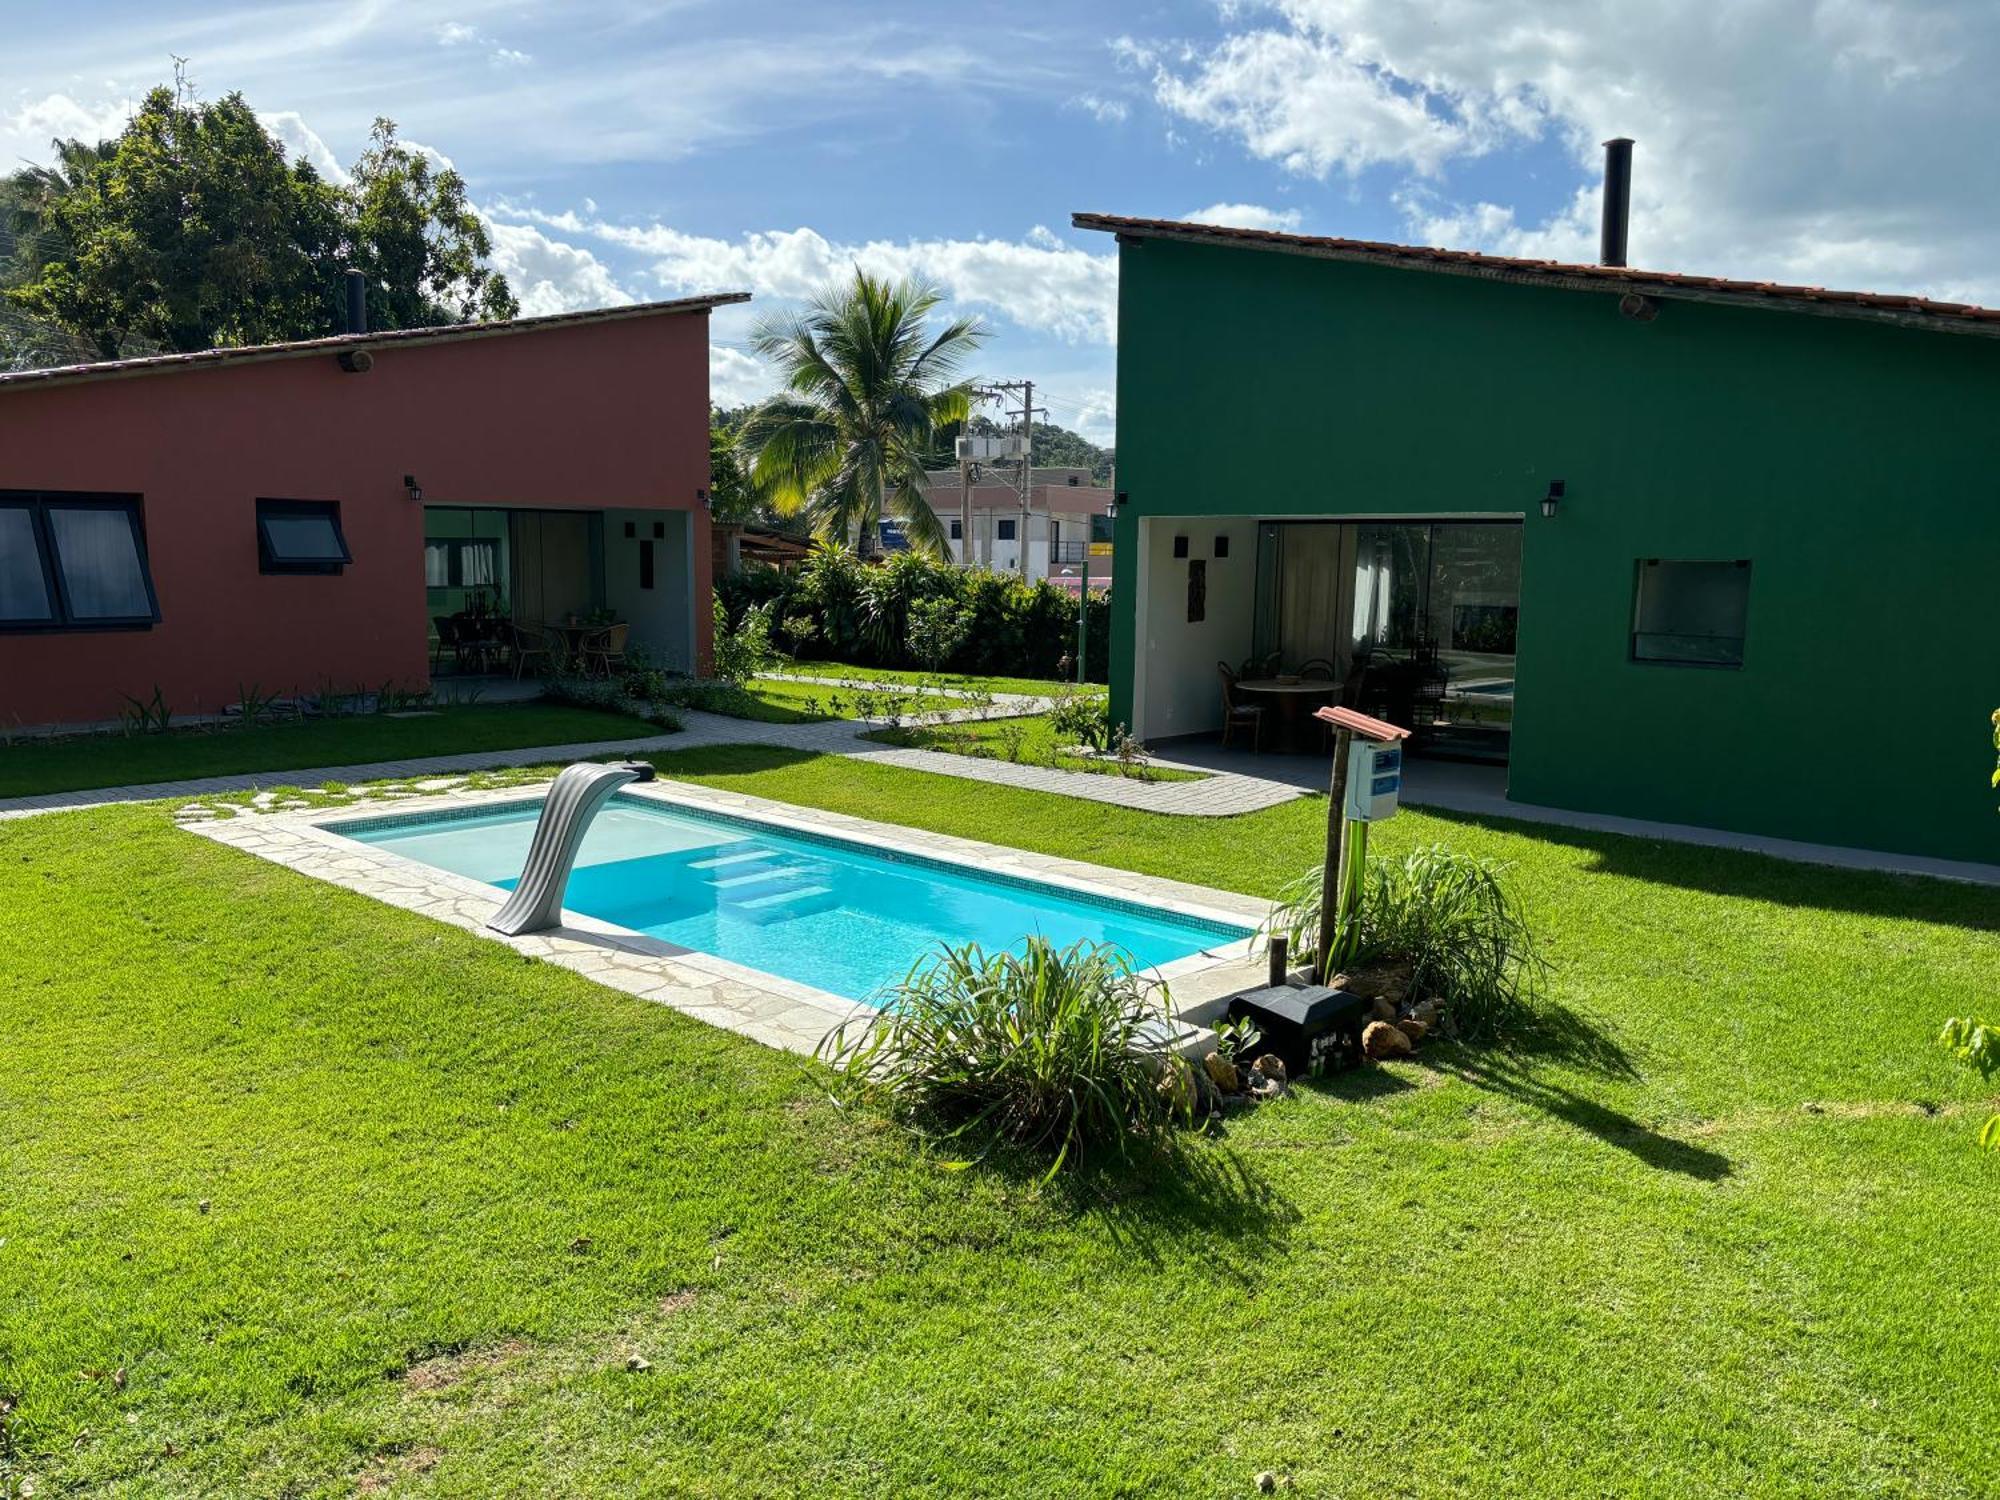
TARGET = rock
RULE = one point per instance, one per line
(1414, 1029)
(637, 1363)
(1272, 1067)
(1222, 1073)
(1177, 1086)
(1427, 1011)
(1267, 1483)
(1382, 1008)
(1380, 1040)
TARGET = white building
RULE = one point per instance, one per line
(1055, 530)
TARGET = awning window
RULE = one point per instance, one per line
(300, 536)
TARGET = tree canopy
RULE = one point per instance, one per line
(869, 384)
(192, 230)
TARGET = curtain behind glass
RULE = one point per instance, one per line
(23, 594)
(99, 558)
(1310, 586)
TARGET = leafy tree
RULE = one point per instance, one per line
(868, 385)
(193, 231)
(420, 244)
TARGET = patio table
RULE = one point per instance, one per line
(1294, 702)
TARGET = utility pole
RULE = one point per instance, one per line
(1027, 414)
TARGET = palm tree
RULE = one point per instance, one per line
(868, 385)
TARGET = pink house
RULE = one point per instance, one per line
(297, 517)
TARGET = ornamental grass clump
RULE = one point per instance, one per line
(1045, 1051)
(1451, 918)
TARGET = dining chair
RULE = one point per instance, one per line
(1236, 715)
(1319, 669)
(532, 644)
(447, 639)
(604, 649)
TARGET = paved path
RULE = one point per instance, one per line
(1214, 796)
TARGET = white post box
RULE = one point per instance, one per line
(1374, 778)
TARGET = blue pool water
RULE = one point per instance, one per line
(829, 913)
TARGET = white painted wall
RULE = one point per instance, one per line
(662, 617)
(1177, 690)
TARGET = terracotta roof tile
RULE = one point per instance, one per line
(160, 364)
(1900, 307)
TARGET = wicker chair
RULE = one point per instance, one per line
(1236, 715)
(531, 646)
(604, 649)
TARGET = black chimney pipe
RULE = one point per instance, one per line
(357, 302)
(1617, 201)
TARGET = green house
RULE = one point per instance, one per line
(1674, 548)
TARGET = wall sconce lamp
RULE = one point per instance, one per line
(416, 490)
(706, 503)
(1552, 499)
(1117, 499)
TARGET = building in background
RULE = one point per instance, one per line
(1055, 533)
(293, 518)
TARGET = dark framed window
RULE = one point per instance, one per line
(1180, 546)
(301, 536)
(957, 531)
(1690, 614)
(1222, 546)
(73, 562)
(1006, 530)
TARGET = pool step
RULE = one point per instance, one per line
(725, 861)
(784, 905)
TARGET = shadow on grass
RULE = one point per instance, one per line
(1759, 877)
(1189, 1201)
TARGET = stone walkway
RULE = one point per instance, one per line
(1216, 795)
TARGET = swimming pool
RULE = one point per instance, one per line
(832, 913)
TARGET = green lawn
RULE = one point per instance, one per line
(32, 767)
(839, 670)
(1028, 740)
(807, 702)
(354, 1199)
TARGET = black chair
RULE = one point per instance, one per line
(1319, 669)
(1239, 715)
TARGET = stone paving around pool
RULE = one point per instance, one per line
(775, 1011)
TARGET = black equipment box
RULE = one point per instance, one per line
(1314, 1029)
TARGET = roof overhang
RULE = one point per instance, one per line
(1873, 307)
(352, 343)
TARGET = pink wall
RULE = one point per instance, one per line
(579, 416)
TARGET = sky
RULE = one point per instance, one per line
(624, 151)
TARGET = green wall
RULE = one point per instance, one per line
(1856, 465)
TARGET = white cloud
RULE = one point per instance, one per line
(1245, 216)
(28, 130)
(460, 34)
(1829, 141)
(456, 34)
(1104, 111)
(1038, 282)
(303, 143)
(549, 276)
(508, 57)
(736, 378)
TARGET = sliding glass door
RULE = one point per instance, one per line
(1417, 619)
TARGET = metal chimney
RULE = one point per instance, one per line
(357, 302)
(1617, 201)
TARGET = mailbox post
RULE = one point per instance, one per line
(1367, 782)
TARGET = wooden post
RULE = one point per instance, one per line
(1331, 874)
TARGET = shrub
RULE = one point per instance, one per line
(1450, 917)
(1083, 718)
(1977, 1045)
(838, 607)
(938, 628)
(1042, 1050)
(744, 651)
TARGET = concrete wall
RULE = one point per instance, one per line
(1851, 463)
(1178, 690)
(611, 414)
(662, 617)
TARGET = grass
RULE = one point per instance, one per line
(356, 1200)
(838, 671)
(1030, 740)
(805, 702)
(31, 768)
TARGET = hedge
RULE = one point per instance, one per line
(835, 607)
